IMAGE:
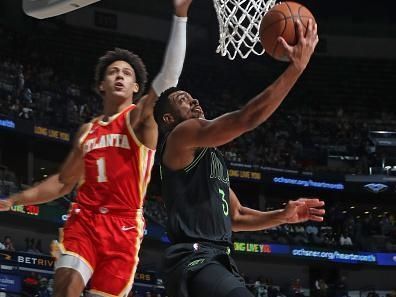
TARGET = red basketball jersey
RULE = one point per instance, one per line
(117, 166)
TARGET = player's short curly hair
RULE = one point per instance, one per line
(162, 107)
(119, 54)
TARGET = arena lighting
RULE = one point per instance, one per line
(41, 9)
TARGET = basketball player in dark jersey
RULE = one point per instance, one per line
(202, 209)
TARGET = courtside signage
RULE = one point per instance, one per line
(27, 260)
(52, 133)
(359, 257)
(23, 126)
(335, 256)
(309, 183)
(52, 213)
(261, 248)
(376, 187)
(33, 210)
(245, 174)
(7, 123)
(10, 283)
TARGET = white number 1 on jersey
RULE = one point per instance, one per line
(101, 170)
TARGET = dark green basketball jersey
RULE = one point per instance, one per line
(197, 199)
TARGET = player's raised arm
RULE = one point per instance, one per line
(173, 60)
(56, 185)
(199, 132)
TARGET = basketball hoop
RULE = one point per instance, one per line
(239, 26)
(42, 9)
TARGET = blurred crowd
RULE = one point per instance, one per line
(328, 134)
(32, 246)
(366, 233)
(36, 93)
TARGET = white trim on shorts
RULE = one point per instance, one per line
(96, 293)
(75, 263)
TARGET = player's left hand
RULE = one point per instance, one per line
(304, 209)
(181, 7)
(5, 204)
(300, 54)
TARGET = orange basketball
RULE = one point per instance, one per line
(280, 21)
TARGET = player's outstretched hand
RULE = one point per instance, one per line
(181, 7)
(5, 204)
(304, 209)
(300, 54)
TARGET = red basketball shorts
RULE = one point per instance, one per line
(103, 247)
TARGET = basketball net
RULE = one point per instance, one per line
(239, 26)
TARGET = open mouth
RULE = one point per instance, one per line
(119, 84)
(197, 109)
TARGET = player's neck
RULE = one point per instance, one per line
(112, 107)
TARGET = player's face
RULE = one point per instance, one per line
(119, 81)
(185, 107)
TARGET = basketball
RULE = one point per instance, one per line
(280, 21)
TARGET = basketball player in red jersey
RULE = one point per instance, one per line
(111, 160)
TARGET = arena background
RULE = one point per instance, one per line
(324, 141)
